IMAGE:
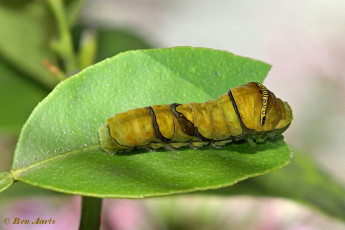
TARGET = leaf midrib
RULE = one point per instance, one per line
(17, 172)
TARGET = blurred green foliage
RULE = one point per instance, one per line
(302, 180)
(19, 96)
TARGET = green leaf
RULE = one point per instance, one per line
(18, 97)
(59, 145)
(5, 180)
(25, 39)
(303, 181)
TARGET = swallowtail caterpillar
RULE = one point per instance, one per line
(249, 112)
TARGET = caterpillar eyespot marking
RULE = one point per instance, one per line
(249, 112)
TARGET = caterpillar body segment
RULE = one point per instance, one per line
(249, 112)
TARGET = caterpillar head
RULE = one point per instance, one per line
(259, 108)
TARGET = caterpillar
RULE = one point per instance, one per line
(249, 112)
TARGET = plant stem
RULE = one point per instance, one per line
(90, 213)
(64, 46)
(73, 11)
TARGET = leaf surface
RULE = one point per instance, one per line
(5, 180)
(59, 147)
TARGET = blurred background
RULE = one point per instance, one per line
(303, 40)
